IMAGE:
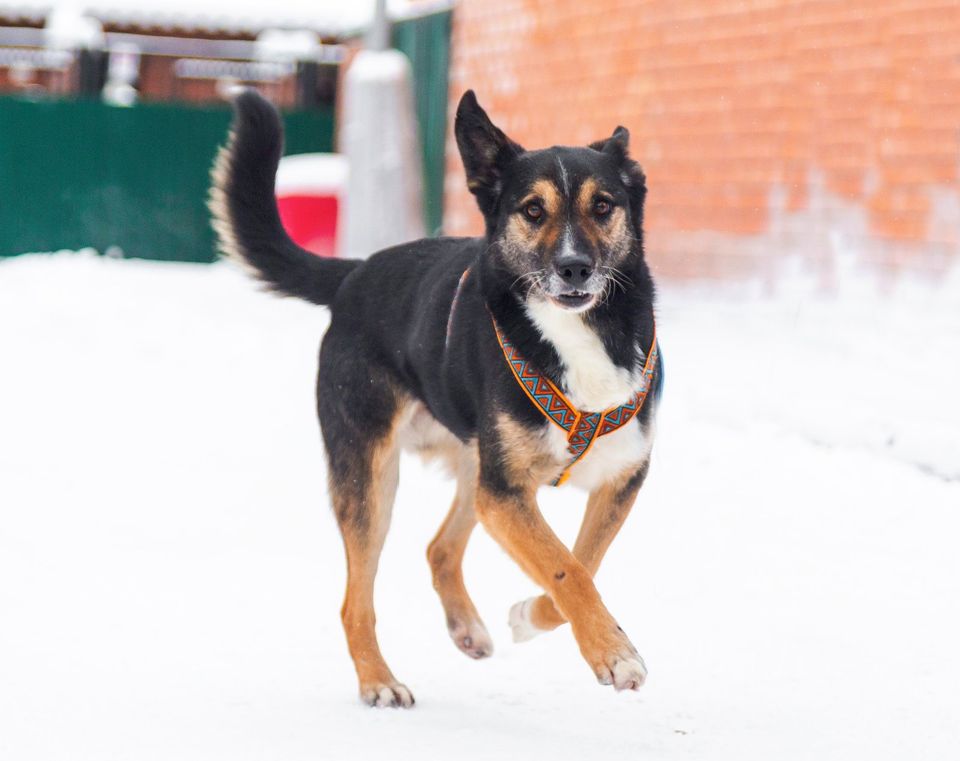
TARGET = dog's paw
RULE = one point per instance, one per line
(615, 660)
(520, 623)
(472, 639)
(624, 672)
(394, 695)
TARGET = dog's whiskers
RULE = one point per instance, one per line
(533, 278)
(613, 278)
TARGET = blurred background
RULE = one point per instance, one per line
(170, 573)
(767, 130)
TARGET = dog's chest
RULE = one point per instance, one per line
(592, 382)
(609, 457)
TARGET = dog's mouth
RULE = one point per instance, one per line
(574, 300)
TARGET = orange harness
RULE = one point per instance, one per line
(582, 428)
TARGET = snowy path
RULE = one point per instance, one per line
(170, 576)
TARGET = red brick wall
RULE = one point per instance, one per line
(766, 127)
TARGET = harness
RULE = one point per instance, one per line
(581, 428)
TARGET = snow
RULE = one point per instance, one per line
(325, 16)
(312, 174)
(67, 27)
(170, 573)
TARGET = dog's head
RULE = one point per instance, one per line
(565, 224)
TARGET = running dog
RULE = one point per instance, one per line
(521, 358)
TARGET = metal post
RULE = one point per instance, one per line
(378, 36)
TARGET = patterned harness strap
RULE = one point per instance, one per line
(582, 428)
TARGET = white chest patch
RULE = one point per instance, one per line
(609, 457)
(592, 382)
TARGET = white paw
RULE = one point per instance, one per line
(393, 695)
(519, 620)
(627, 673)
(472, 639)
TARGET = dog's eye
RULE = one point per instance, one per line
(602, 207)
(533, 211)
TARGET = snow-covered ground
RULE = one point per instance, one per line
(170, 574)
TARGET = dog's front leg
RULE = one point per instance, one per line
(607, 509)
(511, 516)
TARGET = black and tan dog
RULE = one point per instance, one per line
(521, 358)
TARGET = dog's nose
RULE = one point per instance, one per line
(575, 270)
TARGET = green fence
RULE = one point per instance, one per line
(81, 173)
(426, 42)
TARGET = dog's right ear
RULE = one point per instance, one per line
(485, 150)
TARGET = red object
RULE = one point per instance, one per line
(311, 221)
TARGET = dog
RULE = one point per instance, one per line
(521, 358)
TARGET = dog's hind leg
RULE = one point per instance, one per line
(359, 426)
(445, 555)
(607, 509)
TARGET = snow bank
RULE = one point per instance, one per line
(869, 364)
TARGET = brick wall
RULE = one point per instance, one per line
(766, 127)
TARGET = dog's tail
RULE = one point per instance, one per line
(245, 214)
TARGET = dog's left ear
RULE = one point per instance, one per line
(486, 151)
(617, 147)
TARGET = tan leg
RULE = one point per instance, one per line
(363, 505)
(607, 509)
(512, 518)
(445, 555)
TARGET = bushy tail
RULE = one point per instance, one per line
(245, 212)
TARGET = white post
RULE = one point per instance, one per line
(378, 135)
